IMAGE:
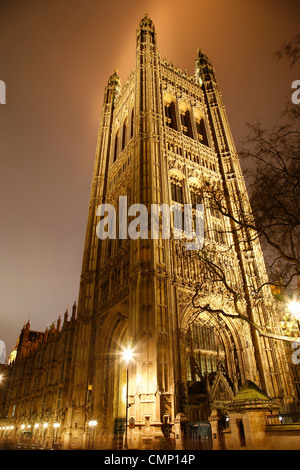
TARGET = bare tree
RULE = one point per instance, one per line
(291, 50)
(273, 219)
(274, 189)
(241, 306)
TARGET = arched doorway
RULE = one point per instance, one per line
(110, 380)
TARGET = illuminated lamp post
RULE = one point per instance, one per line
(92, 425)
(127, 357)
(56, 426)
(45, 425)
(36, 432)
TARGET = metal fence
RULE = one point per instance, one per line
(289, 418)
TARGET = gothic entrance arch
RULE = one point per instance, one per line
(111, 379)
(213, 363)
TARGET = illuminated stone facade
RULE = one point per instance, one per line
(162, 135)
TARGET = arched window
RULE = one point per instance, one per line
(116, 145)
(131, 128)
(170, 115)
(177, 184)
(186, 124)
(205, 352)
(177, 192)
(124, 134)
(217, 230)
(201, 131)
(196, 197)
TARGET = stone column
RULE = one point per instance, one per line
(179, 421)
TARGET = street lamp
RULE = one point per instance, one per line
(36, 427)
(92, 425)
(45, 425)
(294, 308)
(56, 426)
(127, 357)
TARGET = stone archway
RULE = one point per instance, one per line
(110, 378)
(213, 361)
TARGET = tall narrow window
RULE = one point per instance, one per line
(186, 125)
(58, 405)
(177, 192)
(201, 132)
(43, 403)
(124, 135)
(47, 378)
(217, 230)
(116, 146)
(62, 370)
(196, 198)
(132, 117)
(170, 115)
(35, 383)
(241, 432)
(205, 351)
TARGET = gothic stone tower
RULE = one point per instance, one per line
(162, 136)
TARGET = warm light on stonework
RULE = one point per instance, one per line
(159, 348)
(294, 308)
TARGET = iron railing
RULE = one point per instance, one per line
(289, 418)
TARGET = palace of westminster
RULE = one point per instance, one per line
(197, 378)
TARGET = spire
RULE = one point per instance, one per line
(74, 308)
(146, 22)
(146, 29)
(203, 68)
(66, 317)
(112, 88)
(114, 78)
(58, 324)
(202, 58)
(26, 329)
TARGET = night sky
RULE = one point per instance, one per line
(55, 59)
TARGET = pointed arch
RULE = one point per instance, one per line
(201, 128)
(124, 133)
(177, 183)
(132, 123)
(185, 119)
(231, 335)
(196, 192)
(116, 146)
(170, 111)
(110, 370)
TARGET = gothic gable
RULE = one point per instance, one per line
(220, 390)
